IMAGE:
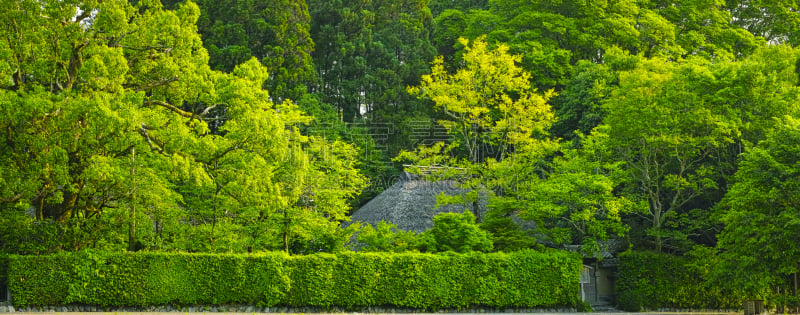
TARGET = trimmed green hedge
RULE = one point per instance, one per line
(349, 280)
(651, 281)
(3, 273)
(122, 279)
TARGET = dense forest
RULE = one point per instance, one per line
(260, 125)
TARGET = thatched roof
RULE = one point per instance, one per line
(410, 204)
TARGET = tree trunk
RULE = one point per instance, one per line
(476, 210)
(659, 242)
(797, 307)
(286, 231)
(132, 222)
(657, 229)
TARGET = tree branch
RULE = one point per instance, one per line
(159, 145)
(172, 108)
(114, 41)
(146, 48)
(208, 109)
(153, 84)
(13, 198)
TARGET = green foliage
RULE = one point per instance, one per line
(680, 143)
(434, 281)
(500, 126)
(90, 95)
(120, 132)
(438, 6)
(424, 281)
(507, 234)
(120, 279)
(4, 261)
(491, 107)
(663, 129)
(579, 107)
(492, 113)
(574, 201)
(136, 135)
(386, 238)
(275, 32)
(758, 245)
(775, 21)
(367, 53)
(28, 236)
(455, 232)
(650, 281)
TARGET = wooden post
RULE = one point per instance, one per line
(596, 281)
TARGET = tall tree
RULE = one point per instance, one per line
(275, 32)
(439, 6)
(705, 28)
(263, 180)
(664, 131)
(493, 112)
(398, 56)
(492, 108)
(759, 242)
(108, 114)
(92, 83)
(500, 129)
(573, 197)
(775, 21)
(342, 32)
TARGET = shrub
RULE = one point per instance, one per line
(139, 279)
(349, 280)
(630, 301)
(386, 237)
(652, 281)
(456, 232)
(3, 274)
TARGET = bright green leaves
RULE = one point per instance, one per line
(489, 101)
(386, 238)
(410, 280)
(105, 70)
(492, 111)
(266, 178)
(275, 32)
(680, 142)
(576, 202)
(455, 232)
(775, 21)
(761, 210)
(500, 127)
(163, 50)
(664, 131)
(117, 115)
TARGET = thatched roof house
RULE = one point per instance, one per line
(410, 204)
